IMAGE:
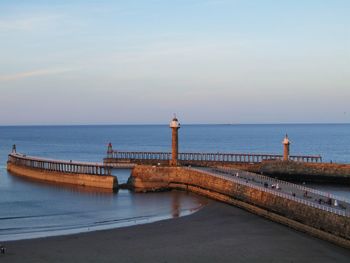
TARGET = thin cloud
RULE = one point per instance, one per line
(34, 73)
(27, 23)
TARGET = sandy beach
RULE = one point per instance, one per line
(217, 233)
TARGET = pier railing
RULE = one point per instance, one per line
(277, 193)
(210, 157)
(233, 172)
(59, 165)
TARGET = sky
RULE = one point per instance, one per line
(208, 61)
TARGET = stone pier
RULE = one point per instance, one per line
(310, 217)
(66, 172)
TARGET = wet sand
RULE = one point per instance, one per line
(217, 233)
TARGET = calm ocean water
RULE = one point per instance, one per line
(32, 209)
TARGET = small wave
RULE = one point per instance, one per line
(19, 233)
(122, 219)
(38, 216)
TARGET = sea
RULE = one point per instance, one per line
(31, 209)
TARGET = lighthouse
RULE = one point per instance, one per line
(286, 144)
(175, 126)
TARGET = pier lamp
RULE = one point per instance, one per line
(14, 150)
(286, 144)
(110, 151)
(175, 126)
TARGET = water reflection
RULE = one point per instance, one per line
(176, 205)
(65, 187)
(31, 208)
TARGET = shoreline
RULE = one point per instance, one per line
(217, 232)
(128, 222)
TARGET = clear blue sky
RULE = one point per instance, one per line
(210, 61)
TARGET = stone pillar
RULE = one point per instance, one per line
(286, 144)
(175, 126)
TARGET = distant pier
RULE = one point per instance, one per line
(68, 172)
(200, 159)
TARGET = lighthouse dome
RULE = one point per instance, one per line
(286, 140)
(175, 123)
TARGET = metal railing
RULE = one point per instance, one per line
(210, 157)
(277, 193)
(233, 171)
(59, 165)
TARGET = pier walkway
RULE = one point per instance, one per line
(61, 166)
(298, 193)
(87, 174)
(199, 159)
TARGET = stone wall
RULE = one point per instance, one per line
(284, 170)
(98, 181)
(332, 227)
(301, 172)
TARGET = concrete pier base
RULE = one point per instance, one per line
(319, 223)
(96, 181)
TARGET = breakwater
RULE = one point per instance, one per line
(66, 172)
(326, 222)
(300, 171)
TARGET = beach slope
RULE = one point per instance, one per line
(217, 233)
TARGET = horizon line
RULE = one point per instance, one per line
(163, 124)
